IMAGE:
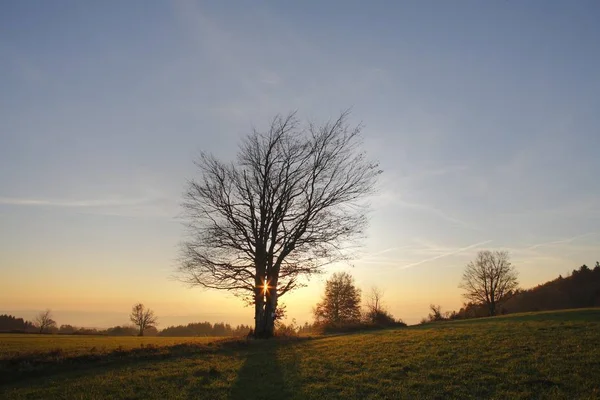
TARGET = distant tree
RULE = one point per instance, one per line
(375, 300)
(306, 328)
(280, 314)
(90, 331)
(241, 330)
(289, 329)
(597, 267)
(122, 331)
(219, 329)
(67, 329)
(341, 302)
(490, 279)
(376, 312)
(44, 322)
(292, 202)
(143, 318)
(205, 329)
(151, 331)
(436, 313)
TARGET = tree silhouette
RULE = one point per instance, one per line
(43, 321)
(291, 203)
(341, 301)
(436, 313)
(143, 318)
(376, 312)
(490, 279)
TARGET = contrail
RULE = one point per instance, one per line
(445, 254)
(76, 203)
(568, 240)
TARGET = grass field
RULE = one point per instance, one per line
(73, 345)
(545, 355)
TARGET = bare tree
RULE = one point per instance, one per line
(376, 311)
(436, 313)
(490, 279)
(143, 318)
(341, 301)
(291, 203)
(375, 301)
(43, 321)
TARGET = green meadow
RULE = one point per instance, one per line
(553, 355)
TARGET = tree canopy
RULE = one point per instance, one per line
(341, 302)
(490, 279)
(292, 202)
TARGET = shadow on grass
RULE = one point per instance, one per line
(270, 371)
(43, 364)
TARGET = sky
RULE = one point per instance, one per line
(483, 116)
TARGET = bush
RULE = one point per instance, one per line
(354, 327)
(284, 330)
(380, 317)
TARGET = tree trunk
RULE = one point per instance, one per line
(270, 309)
(259, 313)
(264, 314)
(492, 308)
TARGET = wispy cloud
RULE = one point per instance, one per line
(561, 241)
(145, 207)
(71, 203)
(388, 250)
(436, 172)
(434, 211)
(449, 253)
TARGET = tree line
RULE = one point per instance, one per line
(144, 323)
(206, 329)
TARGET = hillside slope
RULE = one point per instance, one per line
(578, 290)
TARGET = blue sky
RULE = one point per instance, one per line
(484, 116)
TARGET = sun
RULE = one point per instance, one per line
(265, 287)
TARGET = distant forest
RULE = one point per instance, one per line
(579, 290)
(9, 323)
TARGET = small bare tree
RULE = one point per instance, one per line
(376, 311)
(436, 313)
(375, 301)
(292, 202)
(490, 279)
(43, 321)
(143, 318)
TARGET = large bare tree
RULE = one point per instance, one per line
(143, 318)
(490, 279)
(44, 321)
(292, 202)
